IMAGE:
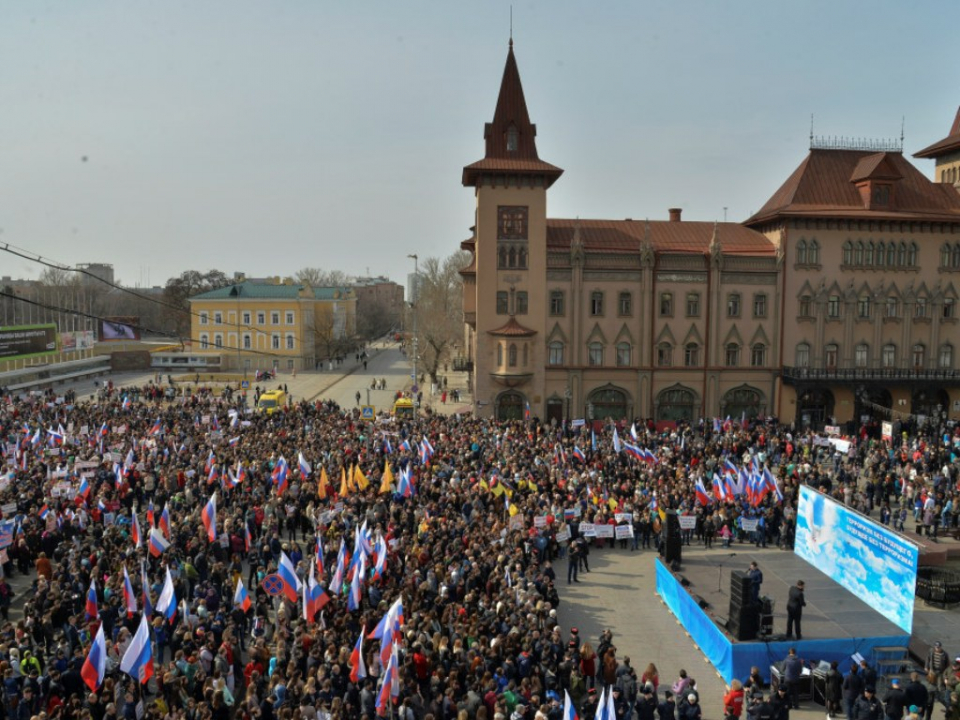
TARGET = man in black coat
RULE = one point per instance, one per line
(916, 692)
(852, 689)
(867, 706)
(795, 604)
(894, 701)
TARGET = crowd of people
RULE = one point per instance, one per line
(456, 520)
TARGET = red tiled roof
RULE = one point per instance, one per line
(950, 143)
(511, 116)
(512, 329)
(666, 237)
(822, 186)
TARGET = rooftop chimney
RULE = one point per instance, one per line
(675, 214)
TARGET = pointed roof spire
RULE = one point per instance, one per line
(511, 138)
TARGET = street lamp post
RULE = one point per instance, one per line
(413, 305)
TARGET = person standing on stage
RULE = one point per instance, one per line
(756, 577)
(795, 605)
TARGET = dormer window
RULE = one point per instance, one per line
(513, 139)
(880, 196)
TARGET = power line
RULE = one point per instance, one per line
(142, 328)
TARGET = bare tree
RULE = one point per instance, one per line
(440, 310)
(315, 277)
(180, 289)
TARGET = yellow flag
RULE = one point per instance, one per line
(344, 488)
(361, 479)
(612, 504)
(497, 490)
(513, 509)
(350, 481)
(387, 482)
(324, 488)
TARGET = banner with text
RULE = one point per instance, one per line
(872, 562)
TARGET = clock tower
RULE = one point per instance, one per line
(507, 298)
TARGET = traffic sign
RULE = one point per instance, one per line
(415, 389)
(245, 384)
(412, 376)
(273, 585)
(368, 412)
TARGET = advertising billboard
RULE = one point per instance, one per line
(874, 563)
(23, 341)
(79, 340)
(120, 327)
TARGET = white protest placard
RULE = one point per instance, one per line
(84, 429)
(120, 430)
(516, 522)
(687, 522)
(841, 445)
(204, 419)
(603, 530)
(588, 529)
(623, 517)
(886, 431)
(540, 521)
(624, 532)
(831, 429)
(8, 509)
(563, 535)
(749, 524)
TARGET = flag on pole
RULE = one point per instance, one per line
(95, 666)
(306, 470)
(129, 599)
(288, 577)
(209, 517)
(135, 532)
(137, 661)
(91, 605)
(241, 598)
(145, 589)
(165, 522)
(358, 668)
(158, 544)
(167, 602)
(569, 712)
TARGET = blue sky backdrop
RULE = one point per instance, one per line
(265, 137)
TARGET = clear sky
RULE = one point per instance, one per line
(264, 137)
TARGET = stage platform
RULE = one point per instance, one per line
(836, 624)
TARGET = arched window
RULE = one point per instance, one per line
(912, 255)
(522, 258)
(623, 354)
(858, 253)
(758, 355)
(848, 253)
(512, 355)
(595, 352)
(880, 251)
(868, 255)
(803, 355)
(691, 355)
(502, 256)
(945, 256)
(888, 357)
(513, 139)
(813, 254)
(802, 252)
(955, 260)
(946, 356)
(555, 356)
(863, 306)
(732, 355)
(902, 254)
(919, 355)
(861, 355)
(830, 354)
(512, 257)
(891, 254)
(664, 354)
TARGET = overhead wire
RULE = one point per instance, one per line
(164, 333)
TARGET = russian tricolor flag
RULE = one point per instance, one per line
(157, 428)
(91, 605)
(337, 581)
(241, 598)
(288, 576)
(158, 543)
(578, 454)
(126, 402)
(129, 599)
(209, 517)
(137, 661)
(95, 666)
(569, 712)
(44, 511)
(358, 668)
(145, 587)
(165, 522)
(702, 496)
(167, 602)
(135, 531)
(305, 469)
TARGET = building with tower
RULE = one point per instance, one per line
(836, 301)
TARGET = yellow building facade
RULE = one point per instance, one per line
(278, 326)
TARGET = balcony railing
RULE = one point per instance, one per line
(462, 364)
(806, 374)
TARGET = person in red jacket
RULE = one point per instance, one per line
(733, 700)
